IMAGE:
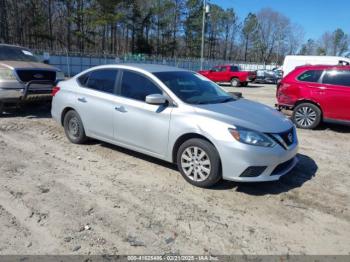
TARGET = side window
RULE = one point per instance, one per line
(340, 78)
(310, 76)
(215, 69)
(83, 79)
(223, 69)
(137, 87)
(234, 69)
(102, 80)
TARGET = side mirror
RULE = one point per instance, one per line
(156, 99)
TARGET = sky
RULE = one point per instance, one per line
(314, 16)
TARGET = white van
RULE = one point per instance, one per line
(292, 61)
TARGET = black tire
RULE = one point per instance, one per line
(73, 127)
(307, 116)
(201, 167)
(1, 108)
(235, 82)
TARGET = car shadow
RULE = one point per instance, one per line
(305, 170)
(30, 110)
(334, 127)
(252, 85)
(135, 154)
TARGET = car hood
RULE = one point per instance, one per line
(247, 114)
(25, 64)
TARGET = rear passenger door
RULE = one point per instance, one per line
(96, 101)
(139, 125)
(336, 85)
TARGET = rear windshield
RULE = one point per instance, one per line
(16, 54)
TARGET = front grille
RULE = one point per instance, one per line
(26, 75)
(281, 167)
(288, 137)
(285, 139)
(253, 171)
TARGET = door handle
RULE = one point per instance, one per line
(121, 109)
(82, 99)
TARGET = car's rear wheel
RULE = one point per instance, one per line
(306, 116)
(199, 163)
(73, 127)
(235, 82)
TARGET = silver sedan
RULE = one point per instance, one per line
(178, 116)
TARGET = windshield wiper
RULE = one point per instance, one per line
(202, 102)
(229, 99)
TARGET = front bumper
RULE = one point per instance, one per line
(15, 91)
(237, 157)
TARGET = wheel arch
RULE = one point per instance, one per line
(301, 101)
(183, 138)
(64, 112)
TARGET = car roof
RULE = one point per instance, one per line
(153, 68)
(226, 65)
(14, 46)
(322, 67)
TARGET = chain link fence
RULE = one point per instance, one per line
(73, 63)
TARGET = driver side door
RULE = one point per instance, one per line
(138, 125)
(215, 73)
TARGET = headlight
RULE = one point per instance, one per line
(251, 137)
(59, 75)
(7, 74)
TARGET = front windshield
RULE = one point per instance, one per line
(193, 88)
(12, 53)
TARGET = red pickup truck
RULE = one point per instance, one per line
(229, 74)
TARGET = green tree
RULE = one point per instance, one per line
(193, 27)
(250, 27)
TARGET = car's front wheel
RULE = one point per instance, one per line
(306, 116)
(73, 127)
(199, 162)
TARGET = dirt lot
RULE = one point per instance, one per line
(60, 198)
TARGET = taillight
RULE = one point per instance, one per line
(55, 90)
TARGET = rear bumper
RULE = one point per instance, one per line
(251, 78)
(280, 106)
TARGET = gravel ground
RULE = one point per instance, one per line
(60, 198)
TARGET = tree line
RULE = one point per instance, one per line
(166, 28)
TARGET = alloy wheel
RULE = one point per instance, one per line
(195, 163)
(305, 116)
